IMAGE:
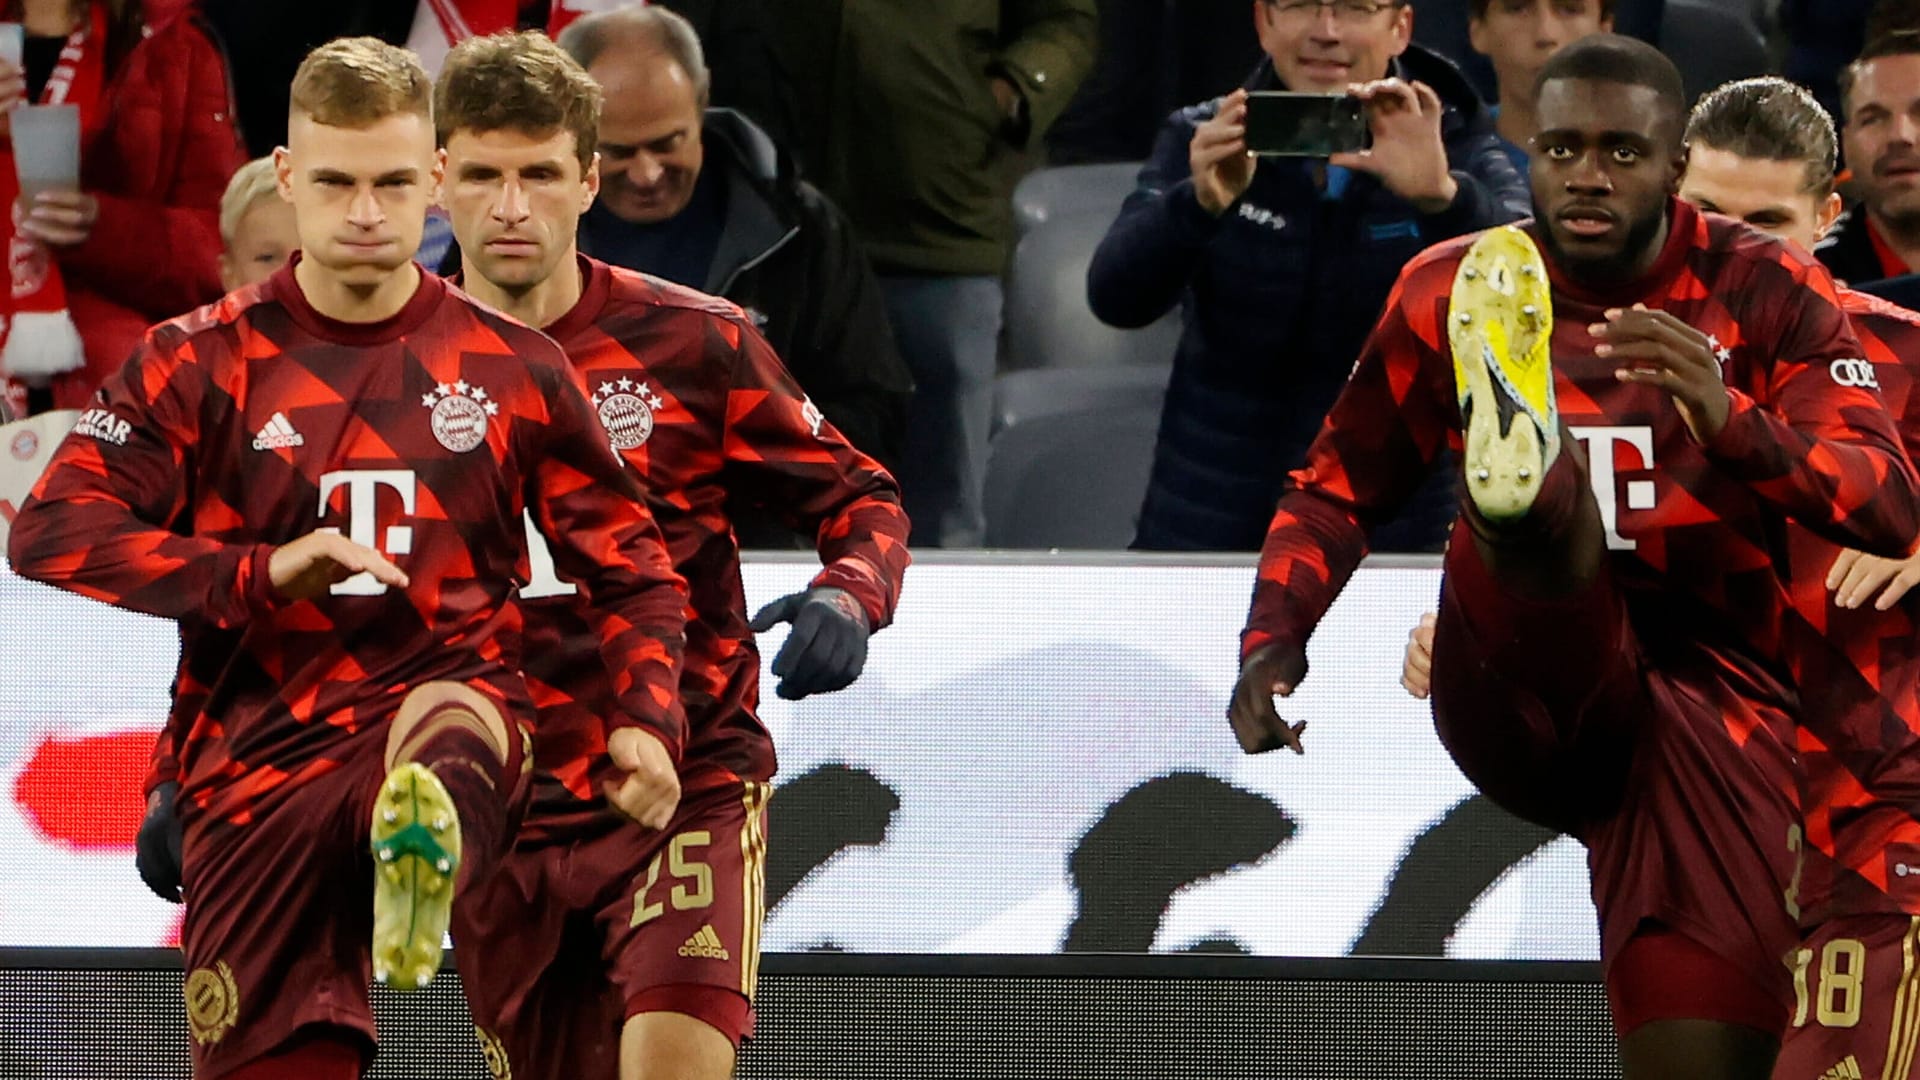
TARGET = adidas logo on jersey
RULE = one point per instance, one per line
(1846, 1070)
(705, 944)
(278, 434)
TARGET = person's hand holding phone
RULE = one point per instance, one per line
(1408, 155)
(1222, 170)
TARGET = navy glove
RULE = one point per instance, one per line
(828, 644)
(157, 847)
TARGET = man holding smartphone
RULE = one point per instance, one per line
(1281, 265)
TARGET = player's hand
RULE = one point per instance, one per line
(827, 647)
(1272, 669)
(60, 218)
(1416, 671)
(305, 568)
(1222, 168)
(1408, 155)
(1655, 348)
(1855, 576)
(156, 848)
(651, 791)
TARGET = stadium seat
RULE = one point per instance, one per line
(1045, 194)
(1048, 322)
(1714, 42)
(1068, 464)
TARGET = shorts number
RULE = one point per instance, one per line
(684, 869)
(1794, 843)
(1843, 964)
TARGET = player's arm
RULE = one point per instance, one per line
(1814, 441)
(782, 453)
(593, 514)
(1377, 445)
(102, 519)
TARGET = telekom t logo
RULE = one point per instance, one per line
(1640, 494)
(363, 500)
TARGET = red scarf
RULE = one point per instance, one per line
(40, 338)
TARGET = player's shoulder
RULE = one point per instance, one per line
(1883, 317)
(519, 338)
(217, 329)
(1730, 239)
(634, 292)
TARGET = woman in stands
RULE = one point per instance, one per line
(140, 241)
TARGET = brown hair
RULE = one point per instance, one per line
(517, 82)
(355, 82)
(1901, 42)
(1770, 119)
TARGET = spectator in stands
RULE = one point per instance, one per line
(704, 198)
(140, 242)
(256, 226)
(1516, 37)
(1447, 28)
(1879, 237)
(916, 119)
(1282, 265)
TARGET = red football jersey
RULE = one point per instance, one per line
(701, 408)
(430, 436)
(1859, 672)
(1698, 533)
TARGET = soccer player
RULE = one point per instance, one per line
(1608, 658)
(601, 949)
(1763, 151)
(323, 477)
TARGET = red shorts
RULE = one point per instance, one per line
(278, 926)
(1856, 983)
(567, 940)
(1673, 772)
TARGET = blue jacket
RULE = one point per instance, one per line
(1277, 296)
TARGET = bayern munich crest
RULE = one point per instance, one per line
(460, 412)
(626, 411)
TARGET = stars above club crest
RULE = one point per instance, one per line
(627, 386)
(460, 389)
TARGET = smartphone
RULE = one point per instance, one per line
(1283, 124)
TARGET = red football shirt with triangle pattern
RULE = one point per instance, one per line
(1697, 534)
(429, 435)
(696, 401)
(1859, 672)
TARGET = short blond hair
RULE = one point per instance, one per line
(357, 82)
(518, 82)
(251, 183)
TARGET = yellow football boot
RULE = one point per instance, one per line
(416, 852)
(1500, 327)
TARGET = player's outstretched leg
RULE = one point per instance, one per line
(439, 819)
(1500, 329)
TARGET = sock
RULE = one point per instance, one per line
(479, 783)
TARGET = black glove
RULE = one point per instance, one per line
(828, 644)
(157, 847)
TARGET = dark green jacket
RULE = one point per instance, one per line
(900, 127)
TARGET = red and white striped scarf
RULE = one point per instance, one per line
(40, 338)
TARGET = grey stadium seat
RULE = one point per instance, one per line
(1068, 464)
(1048, 322)
(1045, 194)
(1713, 42)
